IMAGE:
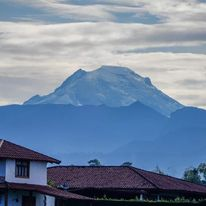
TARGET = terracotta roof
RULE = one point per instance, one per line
(43, 190)
(97, 177)
(10, 150)
(118, 177)
(165, 182)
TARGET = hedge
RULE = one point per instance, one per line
(130, 203)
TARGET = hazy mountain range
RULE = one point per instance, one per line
(112, 114)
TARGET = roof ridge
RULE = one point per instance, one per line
(88, 166)
(11, 144)
(165, 175)
(135, 170)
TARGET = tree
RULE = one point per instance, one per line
(202, 170)
(94, 162)
(192, 175)
(158, 170)
(126, 164)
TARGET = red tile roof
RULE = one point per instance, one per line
(10, 150)
(97, 177)
(118, 177)
(43, 190)
(165, 182)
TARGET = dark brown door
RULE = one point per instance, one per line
(28, 201)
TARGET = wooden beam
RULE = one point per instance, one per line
(6, 198)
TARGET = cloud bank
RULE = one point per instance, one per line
(160, 39)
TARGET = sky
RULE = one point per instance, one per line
(42, 42)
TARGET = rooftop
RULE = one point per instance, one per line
(118, 177)
(10, 150)
(42, 189)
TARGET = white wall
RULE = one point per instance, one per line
(2, 167)
(40, 200)
(38, 173)
(50, 201)
(15, 199)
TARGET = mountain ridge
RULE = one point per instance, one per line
(110, 85)
(135, 133)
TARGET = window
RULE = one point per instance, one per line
(22, 168)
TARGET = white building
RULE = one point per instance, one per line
(23, 178)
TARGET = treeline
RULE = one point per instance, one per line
(196, 174)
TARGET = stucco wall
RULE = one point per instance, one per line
(50, 201)
(38, 173)
(15, 199)
(40, 200)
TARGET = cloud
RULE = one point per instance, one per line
(194, 100)
(41, 39)
(170, 49)
(11, 86)
(95, 10)
(46, 54)
(193, 83)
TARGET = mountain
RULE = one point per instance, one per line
(112, 114)
(109, 85)
(69, 128)
(180, 144)
(134, 133)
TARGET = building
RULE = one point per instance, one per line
(23, 178)
(122, 182)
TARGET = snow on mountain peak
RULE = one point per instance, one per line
(109, 85)
(115, 69)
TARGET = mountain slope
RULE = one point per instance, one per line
(69, 128)
(180, 144)
(134, 133)
(111, 86)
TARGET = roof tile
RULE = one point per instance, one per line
(10, 150)
(118, 177)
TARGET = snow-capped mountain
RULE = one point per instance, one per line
(109, 85)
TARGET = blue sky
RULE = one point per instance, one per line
(44, 41)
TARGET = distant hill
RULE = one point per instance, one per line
(67, 128)
(134, 133)
(180, 144)
(109, 85)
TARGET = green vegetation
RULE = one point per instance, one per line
(176, 200)
(94, 162)
(158, 170)
(192, 175)
(135, 202)
(196, 175)
(126, 164)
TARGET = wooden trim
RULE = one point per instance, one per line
(23, 167)
(6, 198)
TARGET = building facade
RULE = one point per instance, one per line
(23, 178)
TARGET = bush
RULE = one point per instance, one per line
(132, 203)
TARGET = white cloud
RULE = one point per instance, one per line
(36, 57)
(46, 54)
(167, 10)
